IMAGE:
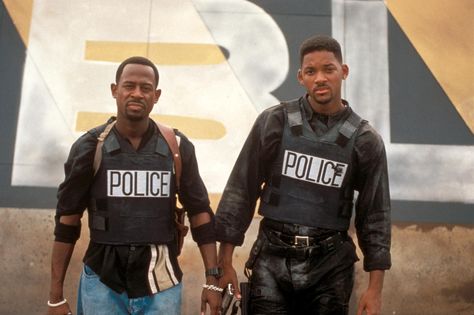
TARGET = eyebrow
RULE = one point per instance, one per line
(139, 83)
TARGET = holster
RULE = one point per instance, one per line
(181, 229)
(245, 286)
(256, 248)
(244, 301)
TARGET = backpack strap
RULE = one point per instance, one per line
(168, 134)
(170, 137)
(173, 143)
(100, 144)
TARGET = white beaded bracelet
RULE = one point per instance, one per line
(212, 287)
(57, 304)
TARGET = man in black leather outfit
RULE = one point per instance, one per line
(304, 159)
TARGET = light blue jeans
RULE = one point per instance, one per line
(95, 298)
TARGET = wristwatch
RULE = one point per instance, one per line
(214, 272)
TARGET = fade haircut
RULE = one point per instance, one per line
(320, 43)
(137, 60)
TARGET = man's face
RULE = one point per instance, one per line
(135, 92)
(322, 74)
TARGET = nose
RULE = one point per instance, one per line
(136, 92)
(320, 77)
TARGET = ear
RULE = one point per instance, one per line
(113, 89)
(345, 71)
(157, 95)
(299, 76)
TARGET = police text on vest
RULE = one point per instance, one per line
(313, 169)
(145, 184)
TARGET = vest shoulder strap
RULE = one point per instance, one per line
(294, 116)
(348, 128)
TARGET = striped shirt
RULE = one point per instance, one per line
(137, 269)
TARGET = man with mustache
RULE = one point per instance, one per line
(131, 264)
(304, 159)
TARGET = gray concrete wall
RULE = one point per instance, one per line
(432, 270)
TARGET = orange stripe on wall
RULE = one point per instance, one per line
(442, 32)
(21, 12)
(192, 127)
(159, 53)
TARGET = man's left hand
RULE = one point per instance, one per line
(213, 298)
(370, 302)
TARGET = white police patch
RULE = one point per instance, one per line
(313, 169)
(142, 184)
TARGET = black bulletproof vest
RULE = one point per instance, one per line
(311, 179)
(133, 193)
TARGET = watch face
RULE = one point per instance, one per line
(216, 272)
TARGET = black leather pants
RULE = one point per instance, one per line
(320, 283)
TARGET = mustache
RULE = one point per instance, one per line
(321, 86)
(136, 101)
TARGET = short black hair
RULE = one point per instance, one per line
(137, 60)
(320, 43)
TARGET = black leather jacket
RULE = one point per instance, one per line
(252, 169)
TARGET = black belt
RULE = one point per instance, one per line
(320, 248)
(296, 229)
(297, 240)
(301, 246)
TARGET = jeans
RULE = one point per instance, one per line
(95, 298)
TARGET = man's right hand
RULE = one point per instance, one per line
(226, 250)
(230, 276)
(59, 310)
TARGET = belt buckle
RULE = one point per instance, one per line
(301, 241)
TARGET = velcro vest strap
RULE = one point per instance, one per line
(295, 120)
(348, 128)
(275, 180)
(98, 223)
(111, 144)
(270, 197)
(160, 148)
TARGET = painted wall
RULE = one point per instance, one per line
(221, 63)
